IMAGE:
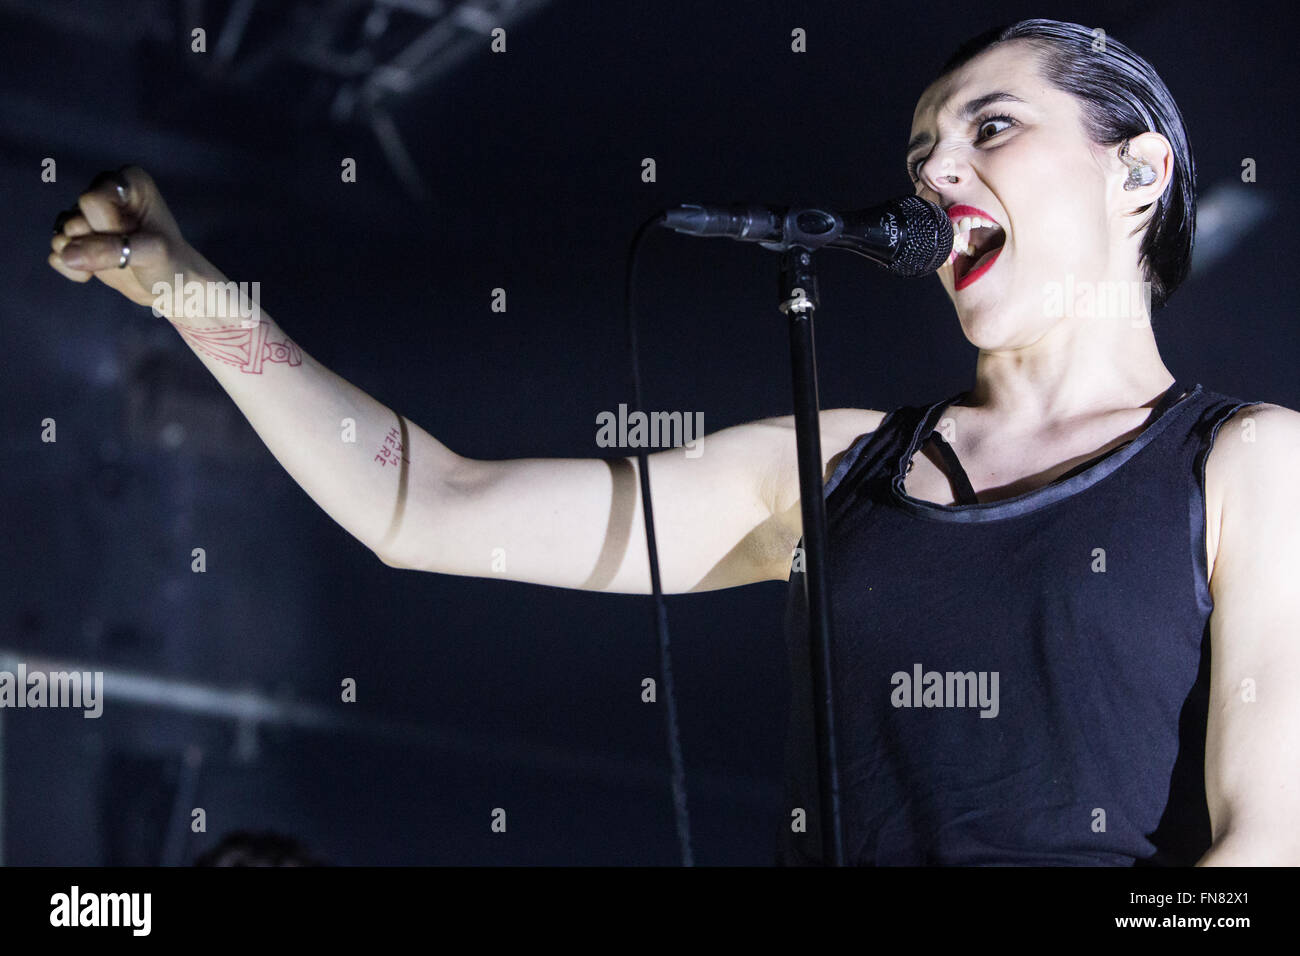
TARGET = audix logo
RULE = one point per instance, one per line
(890, 225)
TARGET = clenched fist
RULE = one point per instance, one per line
(122, 233)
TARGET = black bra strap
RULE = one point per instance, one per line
(956, 473)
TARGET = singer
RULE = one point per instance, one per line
(1065, 603)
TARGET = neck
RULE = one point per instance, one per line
(1079, 366)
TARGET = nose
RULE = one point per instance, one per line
(941, 172)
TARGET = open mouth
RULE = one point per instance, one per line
(977, 241)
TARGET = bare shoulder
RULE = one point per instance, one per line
(851, 421)
(1251, 443)
(1250, 473)
(839, 428)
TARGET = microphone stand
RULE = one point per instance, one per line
(798, 300)
(883, 234)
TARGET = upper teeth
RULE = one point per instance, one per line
(961, 232)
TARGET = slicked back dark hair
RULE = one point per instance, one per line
(1121, 95)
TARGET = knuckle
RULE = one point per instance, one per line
(138, 178)
(103, 180)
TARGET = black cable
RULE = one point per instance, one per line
(680, 815)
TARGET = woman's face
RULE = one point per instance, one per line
(996, 136)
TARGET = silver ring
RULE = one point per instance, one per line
(120, 185)
(126, 251)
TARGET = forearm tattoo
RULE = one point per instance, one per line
(247, 349)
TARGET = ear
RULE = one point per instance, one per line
(1153, 150)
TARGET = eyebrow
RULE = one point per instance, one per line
(968, 112)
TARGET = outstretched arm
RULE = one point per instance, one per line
(727, 517)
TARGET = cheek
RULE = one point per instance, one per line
(1063, 229)
(1054, 205)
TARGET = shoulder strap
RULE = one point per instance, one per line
(852, 454)
(965, 494)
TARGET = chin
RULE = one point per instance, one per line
(992, 325)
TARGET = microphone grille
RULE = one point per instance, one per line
(926, 239)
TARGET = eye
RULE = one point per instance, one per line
(986, 127)
(985, 122)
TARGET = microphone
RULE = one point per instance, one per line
(908, 236)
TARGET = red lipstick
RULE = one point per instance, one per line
(960, 211)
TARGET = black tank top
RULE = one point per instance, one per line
(1016, 682)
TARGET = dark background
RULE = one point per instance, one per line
(475, 694)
